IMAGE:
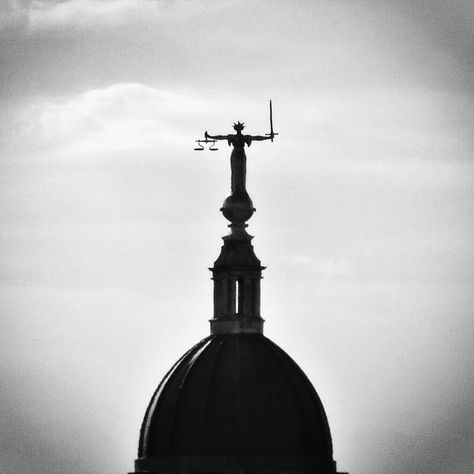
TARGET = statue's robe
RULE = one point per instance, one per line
(238, 162)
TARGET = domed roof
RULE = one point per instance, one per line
(236, 395)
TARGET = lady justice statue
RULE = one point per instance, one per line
(238, 159)
(238, 207)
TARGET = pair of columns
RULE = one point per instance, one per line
(237, 295)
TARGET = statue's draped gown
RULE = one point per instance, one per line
(238, 162)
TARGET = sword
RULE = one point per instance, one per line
(271, 120)
(271, 123)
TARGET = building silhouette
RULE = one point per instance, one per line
(235, 402)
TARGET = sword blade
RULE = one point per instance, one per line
(271, 120)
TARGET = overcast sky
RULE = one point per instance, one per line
(364, 218)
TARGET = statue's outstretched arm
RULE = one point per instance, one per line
(216, 137)
(259, 138)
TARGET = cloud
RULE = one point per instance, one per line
(330, 267)
(121, 117)
(83, 14)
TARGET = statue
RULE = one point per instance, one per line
(238, 159)
(238, 207)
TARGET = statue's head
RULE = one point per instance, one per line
(238, 127)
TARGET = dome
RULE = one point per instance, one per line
(235, 403)
(238, 398)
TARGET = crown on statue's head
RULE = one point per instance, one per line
(239, 126)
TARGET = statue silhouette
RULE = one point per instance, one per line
(238, 159)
